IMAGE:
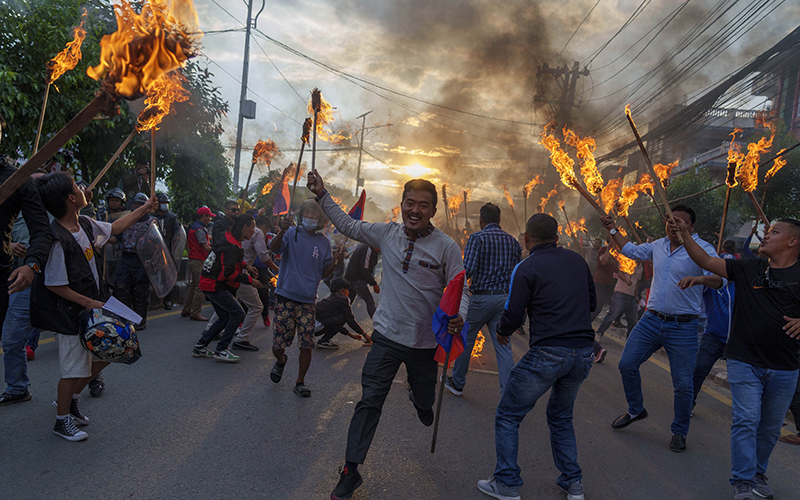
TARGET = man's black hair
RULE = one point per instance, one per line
(230, 203)
(490, 213)
(239, 223)
(421, 185)
(339, 284)
(263, 220)
(542, 227)
(794, 223)
(729, 246)
(54, 189)
(686, 209)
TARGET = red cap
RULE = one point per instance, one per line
(205, 211)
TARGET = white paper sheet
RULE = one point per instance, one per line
(115, 306)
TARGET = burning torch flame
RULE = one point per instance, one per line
(663, 171)
(735, 157)
(585, 148)
(508, 197)
(532, 184)
(160, 96)
(747, 173)
(626, 265)
(395, 213)
(68, 58)
(560, 159)
(324, 112)
(547, 197)
(780, 162)
(147, 45)
(630, 193)
(454, 202)
(610, 194)
(478, 347)
(264, 151)
(307, 129)
(267, 188)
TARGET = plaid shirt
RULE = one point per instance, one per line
(490, 257)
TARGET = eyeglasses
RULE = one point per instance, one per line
(235, 210)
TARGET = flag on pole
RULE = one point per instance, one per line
(357, 212)
(447, 310)
(281, 204)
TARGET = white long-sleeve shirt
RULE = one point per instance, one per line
(409, 297)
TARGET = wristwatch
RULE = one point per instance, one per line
(34, 266)
(613, 231)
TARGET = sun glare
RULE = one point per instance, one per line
(416, 170)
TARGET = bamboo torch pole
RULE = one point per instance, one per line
(103, 102)
(525, 201)
(316, 105)
(41, 118)
(760, 211)
(656, 181)
(730, 181)
(303, 141)
(152, 162)
(633, 230)
(113, 159)
(466, 217)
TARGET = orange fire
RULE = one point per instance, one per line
(626, 265)
(265, 151)
(780, 162)
(160, 96)
(307, 124)
(579, 226)
(147, 45)
(610, 194)
(508, 196)
(68, 58)
(291, 171)
(324, 117)
(454, 203)
(585, 148)
(663, 171)
(735, 157)
(532, 184)
(560, 159)
(267, 188)
(630, 193)
(395, 213)
(747, 171)
(478, 347)
(546, 198)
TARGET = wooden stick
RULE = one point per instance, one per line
(439, 404)
(314, 146)
(655, 203)
(103, 101)
(41, 119)
(152, 162)
(633, 230)
(589, 198)
(113, 159)
(724, 218)
(246, 184)
(761, 214)
(297, 172)
(466, 218)
(656, 181)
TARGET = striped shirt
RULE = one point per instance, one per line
(490, 257)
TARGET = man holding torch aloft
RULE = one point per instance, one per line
(419, 261)
(763, 349)
(670, 322)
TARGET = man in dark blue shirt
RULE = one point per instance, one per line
(489, 260)
(555, 287)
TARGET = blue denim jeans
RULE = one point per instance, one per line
(16, 331)
(710, 350)
(621, 303)
(562, 370)
(760, 400)
(484, 310)
(680, 342)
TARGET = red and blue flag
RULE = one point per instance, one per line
(447, 310)
(281, 204)
(357, 212)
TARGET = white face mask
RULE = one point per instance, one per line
(163, 207)
(310, 224)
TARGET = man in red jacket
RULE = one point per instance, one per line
(199, 243)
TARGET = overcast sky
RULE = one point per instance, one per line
(477, 56)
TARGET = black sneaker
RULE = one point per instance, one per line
(425, 416)
(65, 428)
(326, 344)
(75, 413)
(96, 387)
(348, 482)
(9, 399)
(244, 345)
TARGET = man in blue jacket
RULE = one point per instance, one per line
(555, 287)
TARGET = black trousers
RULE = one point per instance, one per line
(330, 331)
(361, 289)
(380, 368)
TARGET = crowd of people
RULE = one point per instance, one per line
(61, 259)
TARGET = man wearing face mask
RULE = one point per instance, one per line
(306, 259)
(171, 230)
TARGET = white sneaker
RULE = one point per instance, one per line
(66, 428)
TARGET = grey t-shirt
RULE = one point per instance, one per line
(408, 299)
(55, 272)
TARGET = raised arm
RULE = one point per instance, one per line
(715, 265)
(127, 221)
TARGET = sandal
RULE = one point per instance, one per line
(302, 391)
(277, 370)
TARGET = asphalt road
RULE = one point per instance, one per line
(174, 426)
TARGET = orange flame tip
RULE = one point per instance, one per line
(626, 265)
(546, 198)
(508, 197)
(585, 151)
(747, 171)
(68, 58)
(560, 159)
(478, 347)
(610, 194)
(265, 151)
(161, 94)
(532, 184)
(780, 162)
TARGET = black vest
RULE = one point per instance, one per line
(52, 312)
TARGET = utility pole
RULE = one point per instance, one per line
(247, 108)
(567, 79)
(359, 180)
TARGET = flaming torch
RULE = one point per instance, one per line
(526, 192)
(66, 60)
(659, 186)
(263, 152)
(780, 162)
(546, 198)
(511, 204)
(628, 196)
(144, 47)
(735, 158)
(315, 107)
(303, 141)
(747, 170)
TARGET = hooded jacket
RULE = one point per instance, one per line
(223, 269)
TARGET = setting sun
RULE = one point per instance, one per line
(416, 170)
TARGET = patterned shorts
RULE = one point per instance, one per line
(291, 315)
